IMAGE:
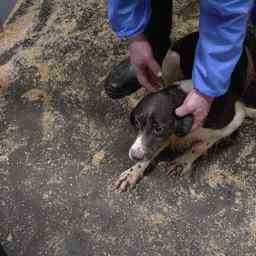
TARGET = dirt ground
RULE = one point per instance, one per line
(63, 143)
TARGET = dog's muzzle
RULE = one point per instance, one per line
(136, 155)
(137, 151)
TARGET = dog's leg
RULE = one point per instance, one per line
(182, 165)
(207, 138)
(129, 178)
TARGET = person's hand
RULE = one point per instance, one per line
(147, 69)
(196, 104)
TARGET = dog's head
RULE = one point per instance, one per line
(155, 119)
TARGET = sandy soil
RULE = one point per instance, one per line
(63, 143)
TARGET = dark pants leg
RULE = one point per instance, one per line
(122, 80)
(159, 28)
(2, 252)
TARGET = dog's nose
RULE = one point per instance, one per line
(136, 154)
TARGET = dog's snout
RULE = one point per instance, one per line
(137, 151)
(136, 154)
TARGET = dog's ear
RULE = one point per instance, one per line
(171, 69)
(183, 125)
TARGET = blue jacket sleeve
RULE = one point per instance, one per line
(128, 18)
(222, 28)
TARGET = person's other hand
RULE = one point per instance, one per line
(147, 69)
(196, 104)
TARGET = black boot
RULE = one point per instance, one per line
(122, 80)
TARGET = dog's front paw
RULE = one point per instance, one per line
(128, 179)
(179, 167)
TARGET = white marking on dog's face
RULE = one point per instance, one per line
(137, 150)
(186, 85)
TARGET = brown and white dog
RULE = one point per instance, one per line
(158, 126)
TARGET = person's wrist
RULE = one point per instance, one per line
(137, 38)
(206, 97)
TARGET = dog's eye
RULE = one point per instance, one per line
(137, 123)
(158, 130)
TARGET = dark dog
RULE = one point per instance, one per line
(159, 127)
